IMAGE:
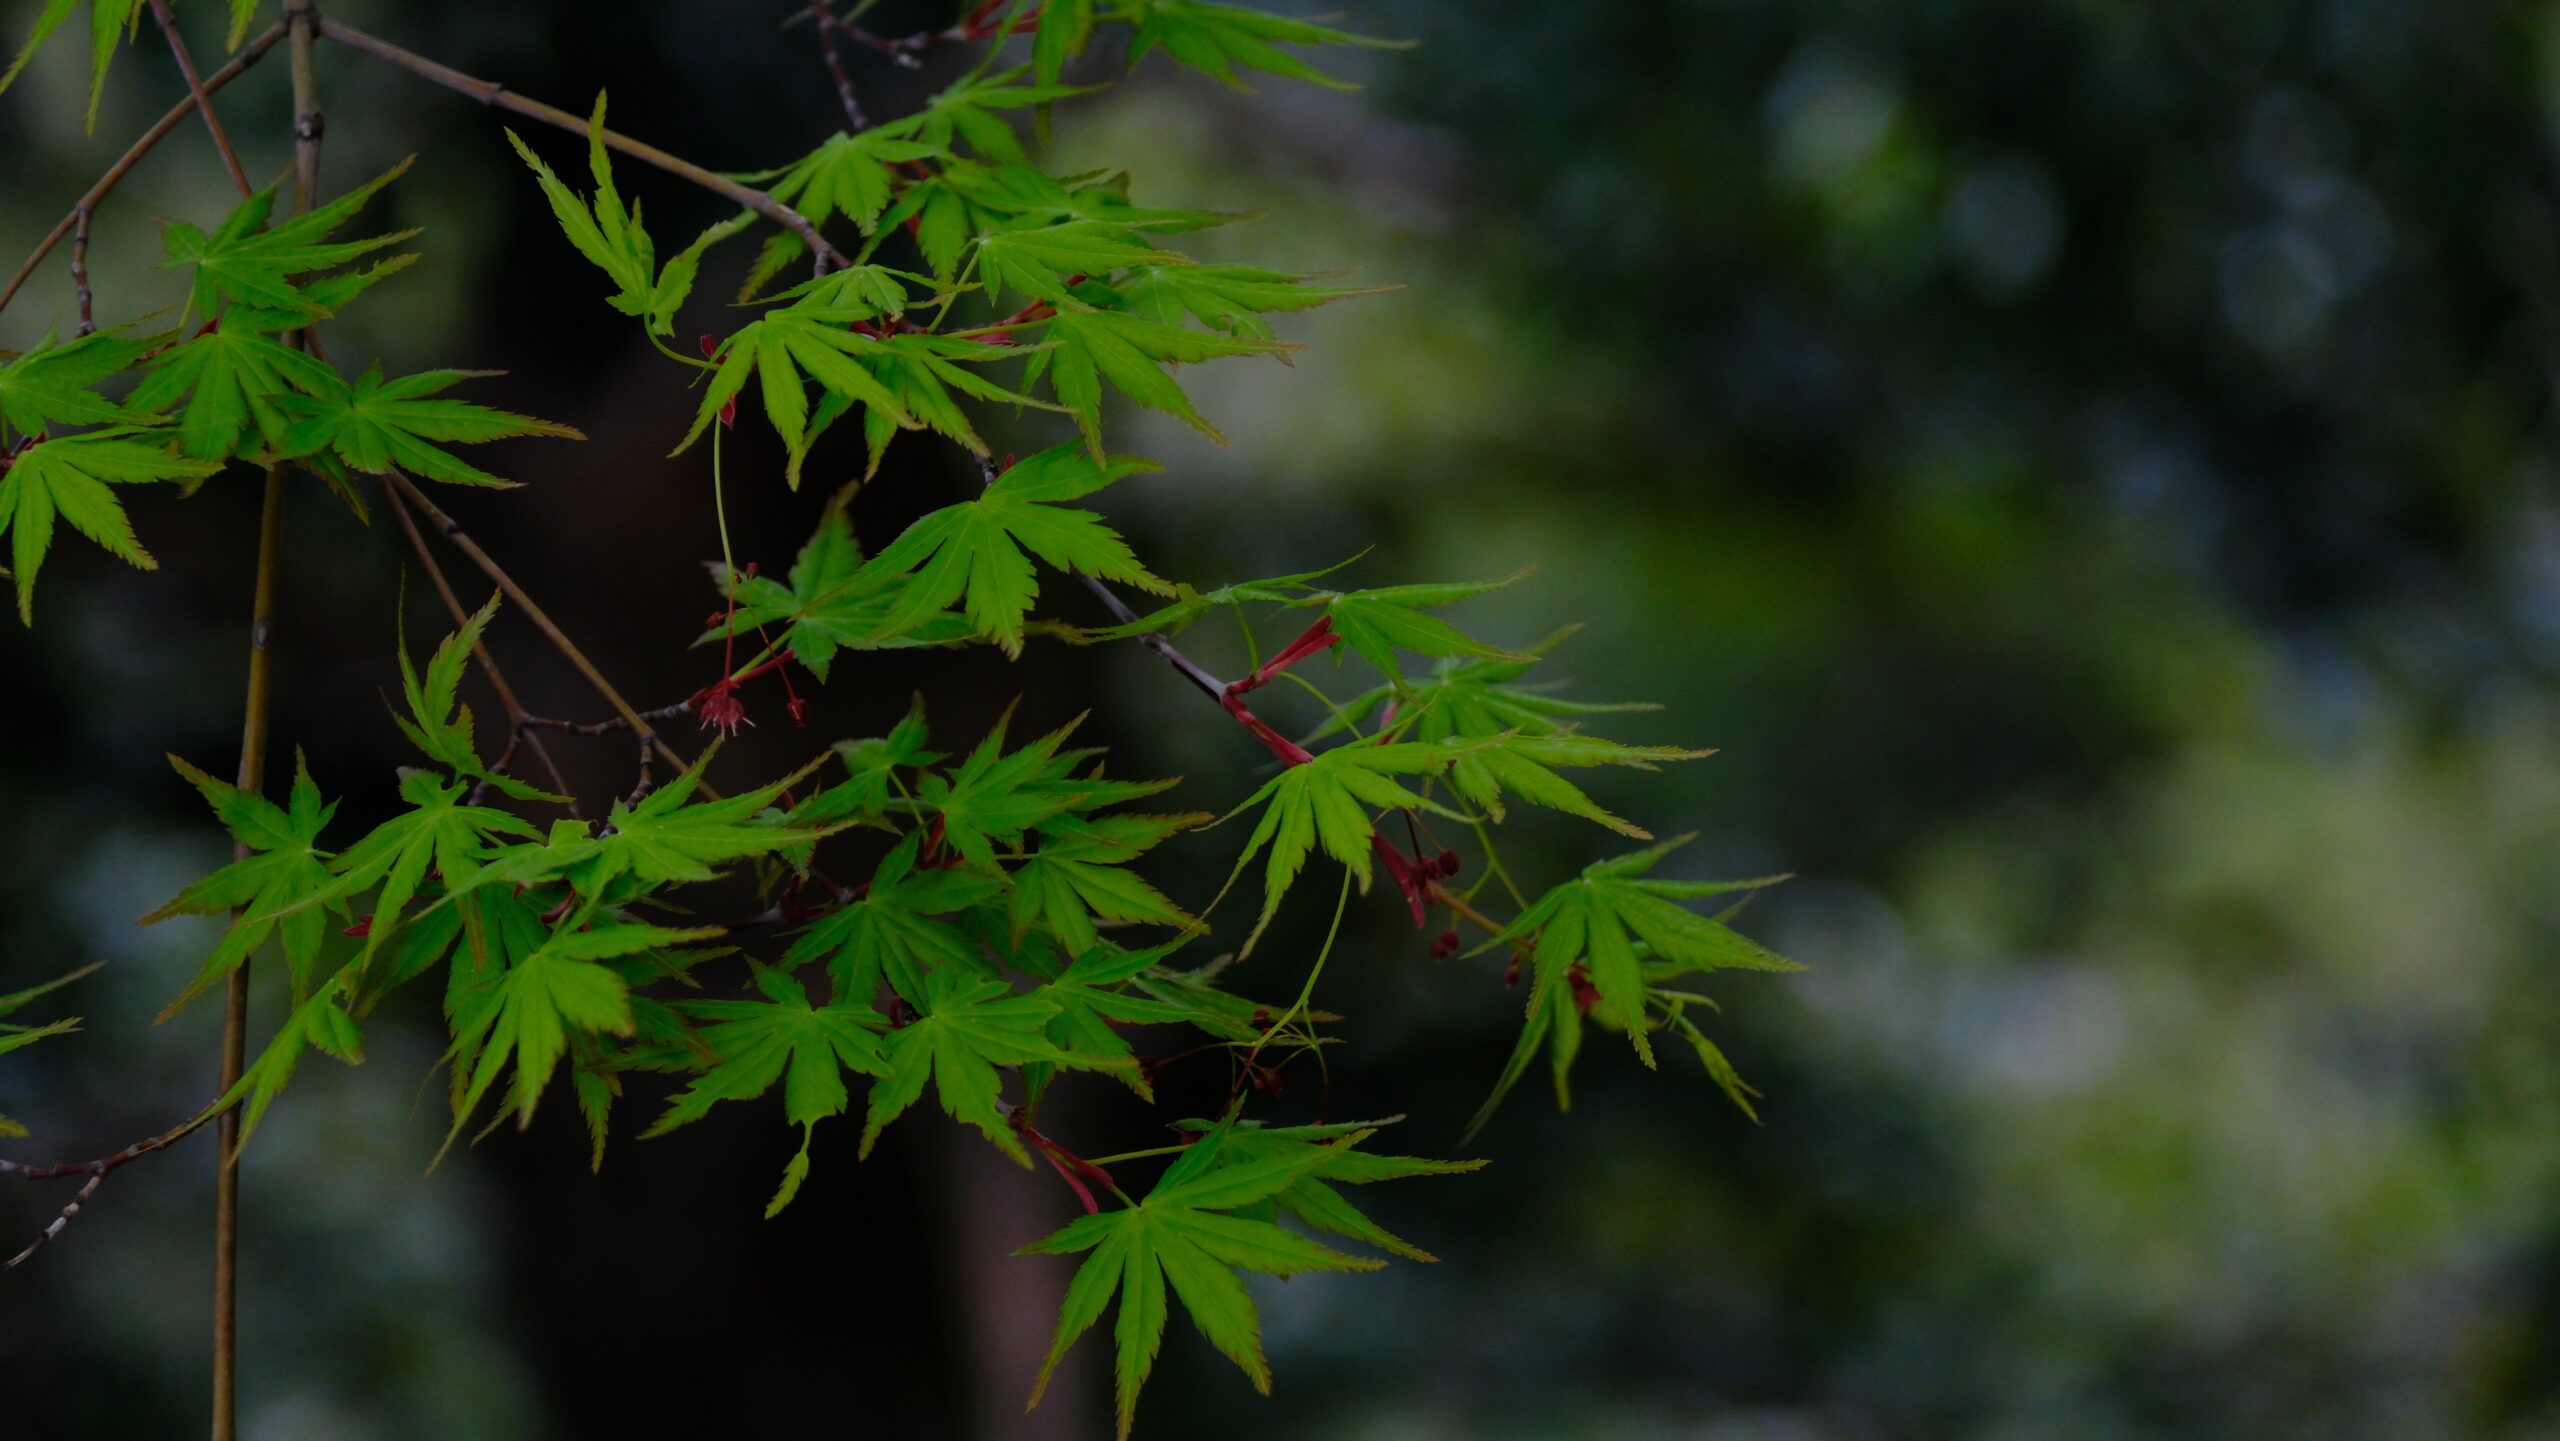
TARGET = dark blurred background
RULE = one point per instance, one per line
(2089, 466)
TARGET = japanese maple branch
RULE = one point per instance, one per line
(249, 55)
(97, 1172)
(489, 92)
(196, 90)
(451, 530)
(518, 722)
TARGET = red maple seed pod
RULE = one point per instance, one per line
(1445, 944)
(1585, 994)
(799, 712)
(1448, 863)
(1511, 973)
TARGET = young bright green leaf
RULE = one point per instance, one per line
(559, 989)
(966, 1027)
(1041, 259)
(246, 262)
(52, 384)
(69, 476)
(320, 1023)
(830, 603)
(979, 551)
(1378, 623)
(849, 175)
(285, 867)
(891, 930)
(378, 426)
(110, 23)
(437, 832)
(1129, 351)
(614, 238)
(1181, 1234)
(1311, 1198)
(1326, 801)
(1095, 1001)
(664, 838)
(1600, 929)
(235, 384)
(1216, 39)
(1229, 298)
(1079, 875)
(993, 798)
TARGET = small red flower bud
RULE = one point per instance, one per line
(1445, 944)
(361, 928)
(1448, 863)
(798, 709)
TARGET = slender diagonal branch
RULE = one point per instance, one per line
(195, 89)
(249, 55)
(446, 526)
(97, 1171)
(519, 723)
(490, 92)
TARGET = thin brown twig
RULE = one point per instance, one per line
(489, 92)
(97, 1172)
(80, 272)
(60, 1220)
(516, 717)
(249, 55)
(854, 122)
(446, 526)
(195, 89)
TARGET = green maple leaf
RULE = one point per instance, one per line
(967, 1026)
(922, 371)
(848, 175)
(51, 384)
(830, 603)
(993, 798)
(1326, 801)
(979, 551)
(70, 476)
(111, 22)
(284, 867)
(560, 989)
(1065, 26)
(1311, 1197)
(1216, 39)
(664, 838)
(320, 1023)
(966, 111)
(234, 383)
(1609, 922)
(438, 722)
(1463, 698)
(614, 239)
(13, 1036)
(781, 1038)
(245, 262)
(1130, 351)
(378, 426)
(1378, 623)
(438, 831)
(871, 766)
(1182, 1233)
(784, 351)
(1229, 298)
(1093, 1001)
(890, 931)
(1038, 259)
(1079, 874)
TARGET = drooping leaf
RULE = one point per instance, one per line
(1326, 800)
(893, 930)
(966, 1027)
(1228, 298)
(53, 384)
(1218, 39)
(285, 867)
(235, 383)
(69, 476)
(614, 238)
(979, 552)
(993, 798)
(111, 22)
(378, 426)
(1080, 874)
(560, 989)
(1183, 1233)
(246, 262)
(1130, 351)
